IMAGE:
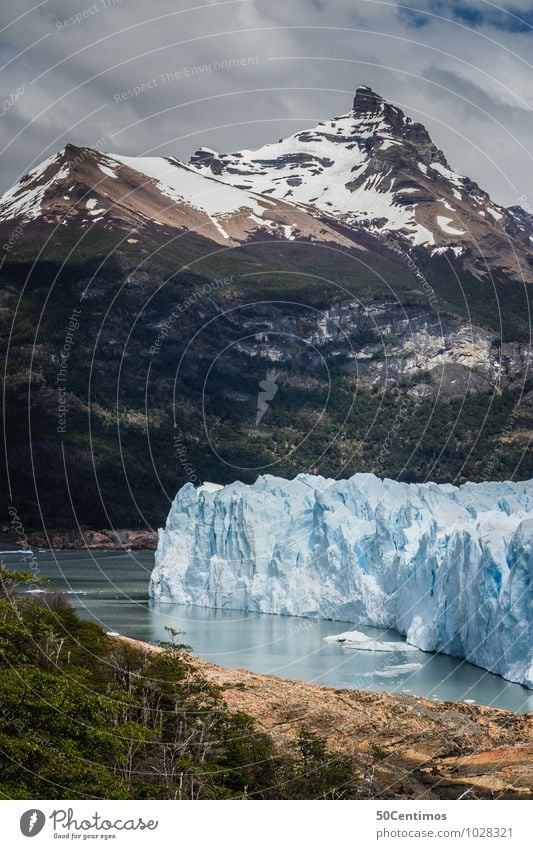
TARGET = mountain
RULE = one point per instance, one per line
(144, 302)
(374, 168)
(371, 171)
(449, 567)
(80, 187)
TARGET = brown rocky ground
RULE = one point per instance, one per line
(404, 746)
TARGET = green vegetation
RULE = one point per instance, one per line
(117, 463)
(86, 716)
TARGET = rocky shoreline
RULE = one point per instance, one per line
(404, 746)
(101, 540)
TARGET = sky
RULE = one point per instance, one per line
(164, 78)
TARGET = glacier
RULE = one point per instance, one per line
(449, 567)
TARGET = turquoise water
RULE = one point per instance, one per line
(111, 588)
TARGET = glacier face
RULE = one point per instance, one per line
(449, 567)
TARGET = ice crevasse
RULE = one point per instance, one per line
(449, 567)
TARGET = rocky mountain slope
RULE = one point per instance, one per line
(326, 258)
(80, 187)
(374, 168)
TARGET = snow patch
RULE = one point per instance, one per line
(109, 172)
(445, 225)
(494, 212)
(182, 183)
(448, 174)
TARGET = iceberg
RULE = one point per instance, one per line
(449, 567)
(358, 640)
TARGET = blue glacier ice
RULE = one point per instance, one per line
(449, 567)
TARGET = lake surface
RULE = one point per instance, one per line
(111, 588)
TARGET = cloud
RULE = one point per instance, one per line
(475, 13)
(460, 72)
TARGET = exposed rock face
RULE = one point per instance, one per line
(406, 747)
(385, 343)
(368, 104)
(95, 540)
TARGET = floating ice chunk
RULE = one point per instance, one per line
(360, 641)
(399, 669)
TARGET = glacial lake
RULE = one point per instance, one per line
(111, 588)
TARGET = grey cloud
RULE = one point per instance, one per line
(471, 88)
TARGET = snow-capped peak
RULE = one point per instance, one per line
(371, 168)
(370, 171)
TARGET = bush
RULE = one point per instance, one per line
(84, 715)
